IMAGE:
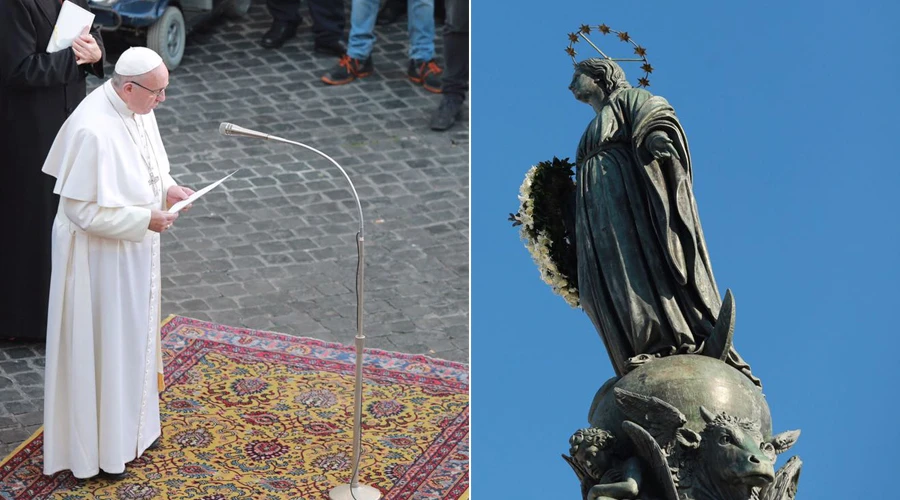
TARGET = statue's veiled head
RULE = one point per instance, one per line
(596, 78)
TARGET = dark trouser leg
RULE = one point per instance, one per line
(440, 11)
(391, 11)
(285, 19)
(456, 48)
(328, 20)
(455, 79)
(284, 11)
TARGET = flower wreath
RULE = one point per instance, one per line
(547, 219)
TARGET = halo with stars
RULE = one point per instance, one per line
(623, 36)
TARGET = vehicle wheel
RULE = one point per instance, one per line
(236, 9)
(167, 37)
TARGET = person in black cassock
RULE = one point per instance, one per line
(38, 91)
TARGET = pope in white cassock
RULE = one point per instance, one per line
(104, 368)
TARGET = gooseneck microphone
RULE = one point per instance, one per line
(354, 490)
(234, 130)
(230, 129)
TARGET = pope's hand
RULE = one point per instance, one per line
(178, 193)
(660, 146)
(160, 221)
(85, 47)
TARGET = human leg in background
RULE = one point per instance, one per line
(285, 20)
(422, 67)
(357, 62)
(391, 12)
(455, 81)
(328, 26)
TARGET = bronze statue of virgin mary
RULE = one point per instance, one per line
(644, 272)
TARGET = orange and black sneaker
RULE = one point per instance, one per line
(347, 70)
(427, 73)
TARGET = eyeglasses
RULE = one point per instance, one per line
(156, 93)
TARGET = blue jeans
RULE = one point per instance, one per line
(363, 14)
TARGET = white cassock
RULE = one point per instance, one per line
(104, 368)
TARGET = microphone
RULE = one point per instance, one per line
(354, 490)
(231, 129)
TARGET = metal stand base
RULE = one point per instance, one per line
(361, 492)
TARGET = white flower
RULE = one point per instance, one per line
(539, 248)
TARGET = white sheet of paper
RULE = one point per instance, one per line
(71, 21)
(183, 203)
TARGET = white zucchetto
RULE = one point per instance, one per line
(137, 61)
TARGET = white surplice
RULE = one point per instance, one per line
(103, 371)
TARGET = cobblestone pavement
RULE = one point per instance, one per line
(274, 247)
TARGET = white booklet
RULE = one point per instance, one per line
(70, 23)
(183, 203)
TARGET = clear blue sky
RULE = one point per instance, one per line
(792, 112)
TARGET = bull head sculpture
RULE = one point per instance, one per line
(729, 459)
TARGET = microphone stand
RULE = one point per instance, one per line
(354, 490)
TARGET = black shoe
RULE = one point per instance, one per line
(427, 73)
(347, 70)
(113, 476)
(155, 444)
(447, 113)
(279, 33)
(392, 11)
(335, 48)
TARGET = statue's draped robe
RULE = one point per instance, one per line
(644, 274)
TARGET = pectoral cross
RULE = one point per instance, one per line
(147, 155)
(154, 179)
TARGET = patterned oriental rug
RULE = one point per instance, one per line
(257, 415)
